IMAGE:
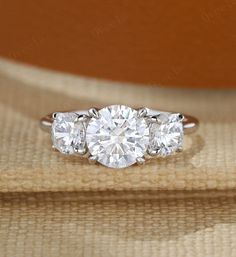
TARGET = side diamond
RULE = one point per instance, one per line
(166, 135)
(68, 134)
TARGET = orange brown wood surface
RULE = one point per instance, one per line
(180, 43)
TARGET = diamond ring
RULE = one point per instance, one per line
(118, 136)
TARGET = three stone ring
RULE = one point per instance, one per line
(118, 136)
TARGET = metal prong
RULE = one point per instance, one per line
(151, 152)
(152, 119)
(159, 119)
(155, 119)
(142, 112)
(82, 117)
(92, 159)
(54, 115)
(181, 117)
(80, 151)
(140, 160)
(93, 112)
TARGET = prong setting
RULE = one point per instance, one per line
(54, 115)
(83, 117)
(92, 159)
(142, 112)
(80, 151)
(155, 119)
(181, 117)
(140, 160)
(93, 113)
(152, 152)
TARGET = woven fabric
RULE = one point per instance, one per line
(27, 162)
(176, 207)
(52, 225)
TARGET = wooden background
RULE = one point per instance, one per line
(180, 43)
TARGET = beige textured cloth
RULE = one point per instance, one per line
(29, 164)
(180, 206)
(52, 225)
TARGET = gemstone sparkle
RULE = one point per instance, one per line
(118, 136)
(166, 136)
(68, 133)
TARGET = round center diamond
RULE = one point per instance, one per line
(118, 137)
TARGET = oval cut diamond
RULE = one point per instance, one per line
(68, 133)
(166, 136)
(118, 136)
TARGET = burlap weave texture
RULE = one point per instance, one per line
(52, 225)
(27, 162)
(183, 206)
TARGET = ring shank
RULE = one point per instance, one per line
(190, 123)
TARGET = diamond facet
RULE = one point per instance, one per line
(118, 137)
(166, 135)
(68, 133)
